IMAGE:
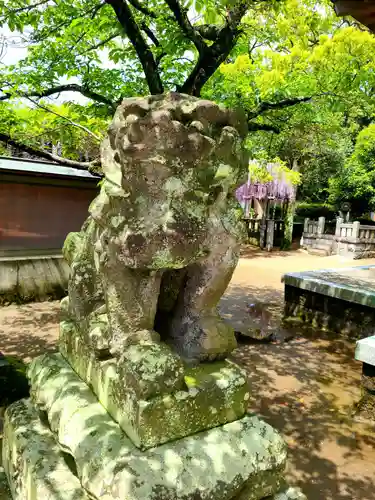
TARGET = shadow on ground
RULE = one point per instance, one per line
(307, 388)
(29, 330)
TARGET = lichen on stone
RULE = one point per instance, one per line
(170, 166)
(244, 456)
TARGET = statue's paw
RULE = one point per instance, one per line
(205, 339)
(120, 344)
(97, 332)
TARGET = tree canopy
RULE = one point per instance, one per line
(355, 179)
(323, 64)
(108, 50)
(304, 77)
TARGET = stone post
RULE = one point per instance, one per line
(356, 228)
(306, 225)
(262, 231)
(288, 226)
(339, 221)
(270, 234)
(321, 224)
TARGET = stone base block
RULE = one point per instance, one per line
(210, 395)
(244, 459)
(35, 467)
(32, 279)
(365, 351)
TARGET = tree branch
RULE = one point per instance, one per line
(6, 139)
(27, 7)
(212, 56)
(141, 8)
(208, 31)
(101, 43)
(96, 9)
(150, 34)
(155, 41)
(267, 106)
(71, 87)
(77, 125)
(187, 28)
(256, 127)
(145, 55)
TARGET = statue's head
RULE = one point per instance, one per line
(170, 162)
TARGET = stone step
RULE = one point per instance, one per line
(244, 459)
(35, 467)
(323, 246)
(318, 251)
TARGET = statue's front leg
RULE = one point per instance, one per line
(196, 331)
(131, 297)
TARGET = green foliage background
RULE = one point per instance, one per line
(304, 77)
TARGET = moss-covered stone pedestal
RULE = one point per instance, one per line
(4, 488)
(63, 444)
(152, 395)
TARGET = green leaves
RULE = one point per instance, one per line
(37, 127)
(285, 50)
(303, 51)
(355, 181)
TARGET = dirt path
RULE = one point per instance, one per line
(305, 387)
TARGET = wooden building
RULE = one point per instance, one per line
(362, 10)
(40, 203)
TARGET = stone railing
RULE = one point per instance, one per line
(367, 232)
(348, 238)
(314, 227)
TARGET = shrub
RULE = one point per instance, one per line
(314, 211)
(13, 381)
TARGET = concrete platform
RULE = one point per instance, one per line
(338, 300)
(353, 284)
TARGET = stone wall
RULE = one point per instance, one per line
(33, 279)
(350, 320)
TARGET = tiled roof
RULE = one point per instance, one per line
(22, 165)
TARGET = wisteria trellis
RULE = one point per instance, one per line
(279, 189)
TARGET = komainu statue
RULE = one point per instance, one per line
(161, 242)
(140, 396)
